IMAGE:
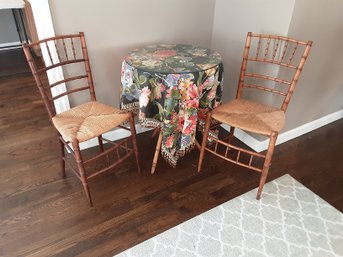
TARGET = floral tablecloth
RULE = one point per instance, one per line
(172, 87)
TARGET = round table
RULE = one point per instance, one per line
(172, 87)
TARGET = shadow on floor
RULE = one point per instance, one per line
(13, 62)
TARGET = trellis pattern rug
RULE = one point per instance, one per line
(289, 221)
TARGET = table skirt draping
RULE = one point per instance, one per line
(176, 103)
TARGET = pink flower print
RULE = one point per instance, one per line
(169, 91)
(201, 88)
(158, 90)
(194, 103)
(144, 97)
(211, 94)
(164, 53)
(207, 83)
(192, 91)
(190, 125)
(162, 88)
(180, 123)
(169, 141)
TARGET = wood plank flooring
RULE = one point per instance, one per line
(13, 62)
(44, 215)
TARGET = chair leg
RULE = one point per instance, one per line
(155, 132)
(267, 163)
(232, 131)
(134, 141)
(101, 144)
(101, 147)
(157, 152)
(82, 172)
(204, 140)
(63, 164)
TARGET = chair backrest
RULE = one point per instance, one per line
(63, 52)
(282, 55)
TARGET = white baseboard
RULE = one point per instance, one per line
(7, 46)
(113, 135)
(260, 146)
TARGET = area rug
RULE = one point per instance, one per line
(289, 220)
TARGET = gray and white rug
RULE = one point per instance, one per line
(289, 220)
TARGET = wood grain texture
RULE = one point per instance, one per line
(16, 66)
(83, 122)
(42, 214)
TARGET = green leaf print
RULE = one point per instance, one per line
(142, 79)
(160, 109)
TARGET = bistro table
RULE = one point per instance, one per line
(172, 87)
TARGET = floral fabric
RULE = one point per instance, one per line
(172, 87)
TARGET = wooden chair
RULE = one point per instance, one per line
(271, 65)
(85, 121)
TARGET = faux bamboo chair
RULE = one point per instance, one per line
(83, 122)
(263, 54)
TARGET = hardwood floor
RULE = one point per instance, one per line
(42, 214)
(13, 62)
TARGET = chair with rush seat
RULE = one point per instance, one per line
(271, 65)
(68, 55)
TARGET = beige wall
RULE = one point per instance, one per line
(233, 19)
(320, 88)
(113, 27)
(8, 31)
